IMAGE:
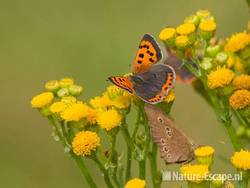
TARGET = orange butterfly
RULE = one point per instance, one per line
(150, 80)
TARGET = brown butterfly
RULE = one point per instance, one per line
(174, 145)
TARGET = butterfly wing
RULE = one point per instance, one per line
(152, 86)
(182, 73)
(174, 145)
(148, 54)
(122, 82)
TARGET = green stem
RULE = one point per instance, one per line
(130, 147)
(142, 169)
(222, 110)
(77, 159)
(154, 172)
(80, 163)
(240, 119)
(104, 171)
(232, 135)
(243, 183)
(113, 157)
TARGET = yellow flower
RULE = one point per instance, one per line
(181, 41)
(85, 142)
(75, 112)
(204, 151)
(220, 77)
(113, 92)
(121, 102)
(52, 85)
(240, 99)
(66, 82)
(170, 96)
(242, 82)
(203, 13)
(135, 183)
(194, 173)
(238, 66)
(241, 160)
(101, 102)
(68, 100)
(109, 119)
(185, 29)
(42, 100)
(207, 25)
(167, 33)
(230, 61)
(237, 42)
(57, 107)
(91, 116)
(204, 155)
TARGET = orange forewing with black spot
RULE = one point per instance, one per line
(165, 88)
(122, 82)
(148, 54)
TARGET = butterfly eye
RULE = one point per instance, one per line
(160, 120)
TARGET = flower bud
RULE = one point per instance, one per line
(66, 82)
(75, 90)
(203, 13)
(167, 35)
(241, 131)
(52, 85)
(207, 64)
(69, 100)
(62, 92)
(45, 111)
(221, 58)
(182, 42)
(194, 19)
(213, 50)
(207, 29)
(204, 155)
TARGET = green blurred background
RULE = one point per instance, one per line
(87, 40)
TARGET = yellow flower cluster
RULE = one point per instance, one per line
(237, 42)
(194, 173)
(112, 97)
(167, 33)
(184, 35)
(181, 41)
(220, 78)
(65, 107)
(75, 112)
(170, 97)
(241, 160)
(84, 142)
(109, 119)
(242, 82)
(240, 99)
(42, 100)
(58, 107)
(204, 151)
(208, 25)
(185, 29)
(135, 183)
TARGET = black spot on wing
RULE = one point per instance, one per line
(149, 38)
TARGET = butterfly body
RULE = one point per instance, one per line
(174, 145)
(149, 81)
